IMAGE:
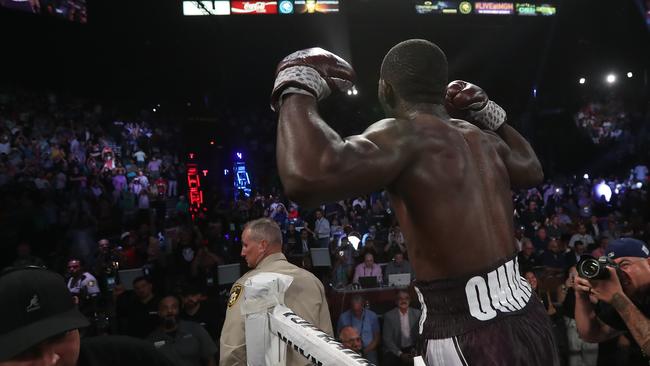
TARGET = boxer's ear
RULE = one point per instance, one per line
(386, 95)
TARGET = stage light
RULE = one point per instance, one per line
(352, 91)
(586, 176)
(638, 185)
(355, 91)
(582, 80)
(211, 142)
(629, 74)
(154, 110)
(611, 78)
(603, 189)
(349, 91)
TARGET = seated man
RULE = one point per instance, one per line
(367, 268)
(399, 265)
(350, 339)
(183, 342)
(400, 331)
(367, 325)
(137, 310)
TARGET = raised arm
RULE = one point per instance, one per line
(468, 101)
(315, 164)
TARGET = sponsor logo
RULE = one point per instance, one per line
(465, 7)
(546, 10)
(34, 304)
(494, 8)
(254, 7)
(525, 9)
(285, 7)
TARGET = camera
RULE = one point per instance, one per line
(595, 269)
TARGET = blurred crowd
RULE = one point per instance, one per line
(100, 198)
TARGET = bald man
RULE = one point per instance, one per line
(262, 249)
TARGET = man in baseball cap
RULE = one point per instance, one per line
(626, 293)
(39, 326)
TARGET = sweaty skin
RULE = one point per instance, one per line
(449, 181)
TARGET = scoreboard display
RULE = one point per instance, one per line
(238, 7)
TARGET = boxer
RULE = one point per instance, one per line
(449, 182)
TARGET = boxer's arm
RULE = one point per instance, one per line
(317, 165)
(524, 168)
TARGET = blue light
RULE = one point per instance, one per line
(603, 189)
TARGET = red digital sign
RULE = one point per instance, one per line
(195, 194)
(254, 7)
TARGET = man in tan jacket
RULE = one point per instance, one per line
(262, 249)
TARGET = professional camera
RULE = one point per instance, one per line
(595, 269)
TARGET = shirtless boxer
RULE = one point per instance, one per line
(449, 183)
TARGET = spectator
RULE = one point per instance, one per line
(396, 242)
(401, 331)
(367, 325)
(183, 342)
(50, 334)
(322, 230)
(527, 257)
(540, 240)
(351, 339)
(582, 236)
(25, 258)
(82, 285)
(367, 269)
(553, 258)
(600, 251)
(137, 315)
(574, 255)
(340, 271)
(399, 265)
(198, 308)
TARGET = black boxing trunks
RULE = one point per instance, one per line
(492, 318)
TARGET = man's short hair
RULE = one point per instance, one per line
(264, 229)
(417, 70)
(357, 298)
(141, 278)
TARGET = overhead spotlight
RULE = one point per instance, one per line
(611, 78)
(349, 91)
(352, 91)
(603, 189)
(586, 176)
(355, 91)
(582, 80)
(154, 109)
(629, 74)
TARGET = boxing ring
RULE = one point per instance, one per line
(271, 328)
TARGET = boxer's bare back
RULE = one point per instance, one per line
(449, 181)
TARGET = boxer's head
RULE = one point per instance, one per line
(260, 238)
(413, 72)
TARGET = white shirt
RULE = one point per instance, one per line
(86, 281)
(322, 228)
(139, 156)
(405, 326)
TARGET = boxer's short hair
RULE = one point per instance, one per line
(417, 70)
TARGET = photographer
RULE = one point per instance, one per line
(624, 292)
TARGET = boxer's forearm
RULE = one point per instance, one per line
(523, 165)
(636, 322)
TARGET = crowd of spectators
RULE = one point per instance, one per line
(603, 122)
(92, 196)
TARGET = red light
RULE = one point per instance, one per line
(205, 172)
(191, 155)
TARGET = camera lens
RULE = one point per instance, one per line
(590, 268)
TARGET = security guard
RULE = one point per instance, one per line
(262, 249)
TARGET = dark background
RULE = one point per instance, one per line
(141, 53)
